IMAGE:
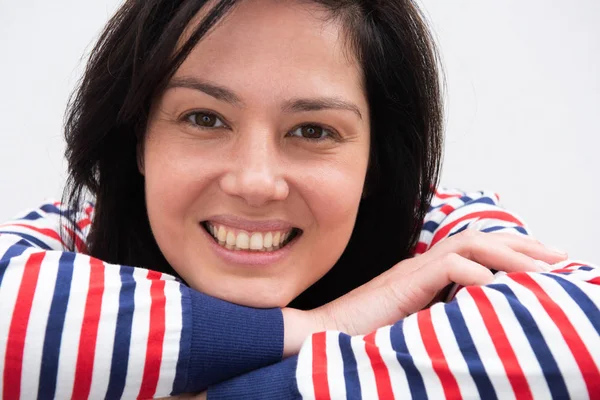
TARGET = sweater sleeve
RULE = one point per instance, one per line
(72, 326)
(525, 335)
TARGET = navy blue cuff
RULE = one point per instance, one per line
(275, 382)
(228, 340)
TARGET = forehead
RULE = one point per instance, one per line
(282, 46)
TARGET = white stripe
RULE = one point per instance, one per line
(398, 378)
(484, 345)
(106, 331)
(422, 360)
(586, 331)
(36, 327)
(173, 327)
(139, 334)
(452, 353)
(69, 345)
(304, 371)
(9, 290)
(50, 242)
(366, 376)
(572, 310)
(553, 338)
(335, 366)
(520, 345)
(7, 241)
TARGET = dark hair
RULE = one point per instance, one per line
(136, 56)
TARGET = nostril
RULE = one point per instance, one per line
(255, 188)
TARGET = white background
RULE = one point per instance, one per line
(523, 104)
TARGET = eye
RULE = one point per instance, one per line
(205, 119)
(312, 132)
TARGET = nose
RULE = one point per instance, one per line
(255, 174)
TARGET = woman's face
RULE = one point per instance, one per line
(255, 156)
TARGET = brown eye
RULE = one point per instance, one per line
(312, 132)
(205, 120)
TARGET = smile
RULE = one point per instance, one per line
(236, 239)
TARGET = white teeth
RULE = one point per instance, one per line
(242, 241)
(230, 239)
(256, 241)
(276, 239)
(222, 234)
(268, 240)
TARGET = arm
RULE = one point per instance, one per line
(72, 326)
(530, 335)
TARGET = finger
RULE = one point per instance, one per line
(451, 268)
(496, 255)
(530, 246)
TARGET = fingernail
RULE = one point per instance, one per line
(558, 251)
(544, 266)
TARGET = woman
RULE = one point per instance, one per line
(273, 154)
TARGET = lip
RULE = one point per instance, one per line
(248, 258)
(250, 226)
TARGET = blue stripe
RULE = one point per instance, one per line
(469, 351)
(120, 354)
(581, 299)
(52, 209)
(353, 390)
(32, 216)
(536, 340)
(415, 380)
(54, 328)
(181, 374)
(31, 239)
(585, 268)
(13, 251)
(499, 228)
(430, 226)
(459, 230)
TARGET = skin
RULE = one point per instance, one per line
(254, 162)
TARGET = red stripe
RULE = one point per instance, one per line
(79, 244)
(513, 369)
(595, 281)
(574, 264)
(89, 332)
(420, 248)
(83, 223)
(584, 360)
(156, 335)
(447, 209)
(43, 231)
(13, 359)
(446, 196)
(319, 354)
(438, 360)
(382, 375)
(500, 215)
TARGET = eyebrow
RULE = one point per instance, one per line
(218, 92)
(296, 105)
(320, 103)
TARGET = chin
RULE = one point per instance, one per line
(255, 296)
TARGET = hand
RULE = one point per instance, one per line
(412, 284)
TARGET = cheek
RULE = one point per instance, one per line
(333, 195)
(176, 179)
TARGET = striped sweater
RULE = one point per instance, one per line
(72, 326)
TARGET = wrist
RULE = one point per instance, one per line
(297, 326)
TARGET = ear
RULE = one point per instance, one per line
(140, 155)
